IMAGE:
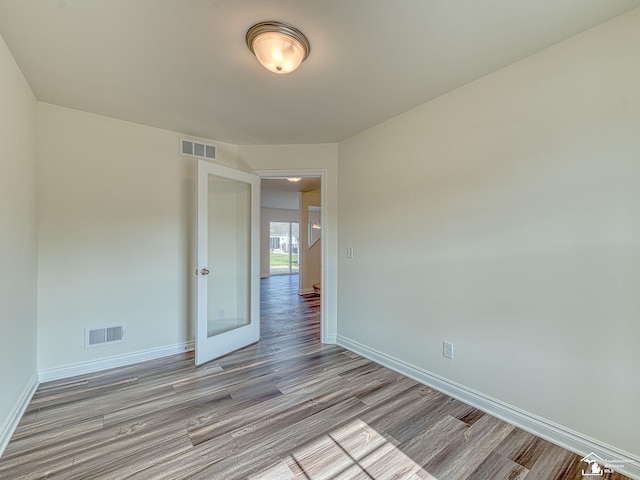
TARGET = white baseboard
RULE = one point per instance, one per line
(112, 362)
(554, 433)
(11, 423)
(330, 339)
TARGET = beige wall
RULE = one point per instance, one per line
(18, 251)
(504, 217)
(116, 235)
(310, 257)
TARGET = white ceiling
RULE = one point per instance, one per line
(283, 194)
(183, 65)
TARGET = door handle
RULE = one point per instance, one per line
(204, 271)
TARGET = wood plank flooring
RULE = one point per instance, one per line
(285, 408)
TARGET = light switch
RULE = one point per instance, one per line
(447, 349)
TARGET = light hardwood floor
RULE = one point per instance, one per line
(285, 408)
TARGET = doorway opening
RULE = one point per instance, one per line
(284, 239)
(294, 199)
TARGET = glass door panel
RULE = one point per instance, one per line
(229, 253)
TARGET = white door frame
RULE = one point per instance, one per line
(324, 244)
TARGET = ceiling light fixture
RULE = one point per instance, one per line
(294, 179)
(279, 47)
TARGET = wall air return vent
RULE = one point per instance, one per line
(197, 149)
(96, 337)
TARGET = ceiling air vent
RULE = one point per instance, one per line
(197, 149)
(95, 337)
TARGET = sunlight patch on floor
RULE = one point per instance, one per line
(353, 451)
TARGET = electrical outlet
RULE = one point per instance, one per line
(221, 314)
(447, 349)
(349, 252)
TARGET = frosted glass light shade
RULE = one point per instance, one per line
(278, 52)
(279, 47)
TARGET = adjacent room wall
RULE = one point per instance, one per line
(116, 235)
(18, 244)
(310, 256)
(504, 217)
(268, 215)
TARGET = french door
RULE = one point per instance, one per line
(228, 291)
